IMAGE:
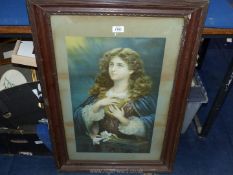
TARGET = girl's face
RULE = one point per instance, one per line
(118, 69)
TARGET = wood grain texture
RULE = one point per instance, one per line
(5, 61)
(15, 30)
(217, 31)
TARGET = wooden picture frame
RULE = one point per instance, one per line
(70, 37)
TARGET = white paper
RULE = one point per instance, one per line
(229, 40)
(7, 54)
(118, 29)
(37, 142)
(26, 49)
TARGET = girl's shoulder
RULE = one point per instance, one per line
(145, 98)
(145, 101)
(144, 105)
(89, 100)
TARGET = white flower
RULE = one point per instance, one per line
(106, 136)
(96, 140)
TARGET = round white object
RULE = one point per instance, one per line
(11, 78)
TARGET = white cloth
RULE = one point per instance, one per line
(89, 116)
(121, 95)
(135, 127)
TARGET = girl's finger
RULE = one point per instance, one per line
(115, 107)
(111, 108)
(114, 100)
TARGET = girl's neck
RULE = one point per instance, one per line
(120, 86)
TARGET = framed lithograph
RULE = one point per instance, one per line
(115, 76)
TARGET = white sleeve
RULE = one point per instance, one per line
(89, 116)
(135, 127)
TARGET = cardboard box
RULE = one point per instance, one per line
(23, 54)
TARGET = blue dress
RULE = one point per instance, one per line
(143, 108)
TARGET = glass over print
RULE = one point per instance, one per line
(81, 58)
(117, 108)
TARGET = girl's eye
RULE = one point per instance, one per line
(116, 64)
(120, 65)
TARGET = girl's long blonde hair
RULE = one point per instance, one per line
(139, 83)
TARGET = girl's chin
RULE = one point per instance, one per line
(114, 78)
